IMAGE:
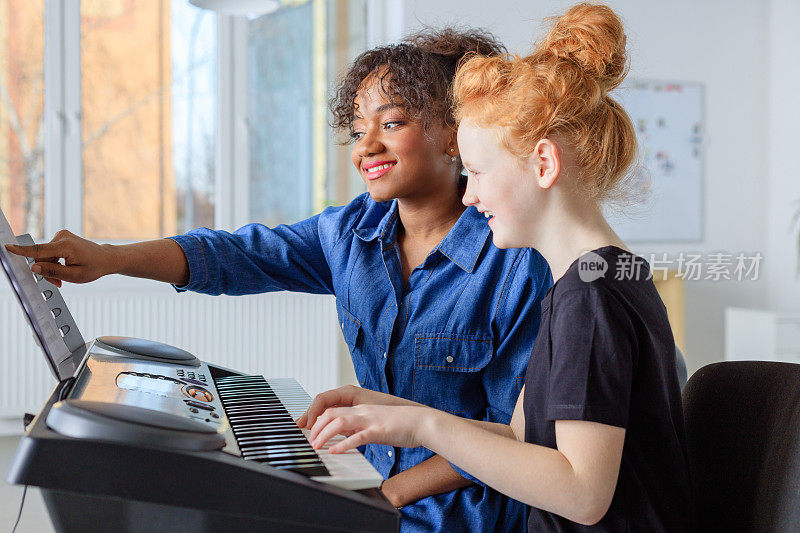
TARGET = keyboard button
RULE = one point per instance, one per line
(199, 405)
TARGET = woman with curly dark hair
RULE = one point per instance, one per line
(597, 439)
(430, 309)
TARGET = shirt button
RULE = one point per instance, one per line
(449, 359)
(342, 325)
(384, 355)
(389, 453)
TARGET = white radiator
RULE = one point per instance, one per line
(276, 335)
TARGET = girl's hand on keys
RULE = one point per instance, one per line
(363, 424)
(347, 396)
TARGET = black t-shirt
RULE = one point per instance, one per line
(605, 353)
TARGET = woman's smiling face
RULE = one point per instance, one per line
(395, 155)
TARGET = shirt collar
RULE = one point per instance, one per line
(385, 228)
(465, 240)
(462, 244)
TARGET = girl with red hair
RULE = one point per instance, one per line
(597, 435)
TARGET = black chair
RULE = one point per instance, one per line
(680, 366)
(743, 439)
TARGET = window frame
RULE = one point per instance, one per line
(232, 180)
(63, 168)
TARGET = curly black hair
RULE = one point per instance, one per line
(418, 73)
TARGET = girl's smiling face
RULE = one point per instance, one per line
(500, 185)
(395, 155)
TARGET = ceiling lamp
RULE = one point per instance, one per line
(238, 7)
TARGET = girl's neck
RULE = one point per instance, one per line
(569, 231)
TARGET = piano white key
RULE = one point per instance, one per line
(349, 470)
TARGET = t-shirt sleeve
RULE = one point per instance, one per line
(593, 349)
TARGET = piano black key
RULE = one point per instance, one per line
(276, 417)
(278, 445)
(307, 470)
(270, 448)
(263, 428)
(270, 439)
(292, 462)
(289, 455)
(282, 427)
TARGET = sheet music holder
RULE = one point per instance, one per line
(53, 326)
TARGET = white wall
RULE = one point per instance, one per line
(783, 150)
(724, 45)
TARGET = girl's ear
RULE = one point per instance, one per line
(546, 161)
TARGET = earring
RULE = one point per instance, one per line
(453, 159)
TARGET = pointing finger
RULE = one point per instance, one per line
(46, 251)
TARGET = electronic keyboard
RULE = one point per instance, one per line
(142, 436)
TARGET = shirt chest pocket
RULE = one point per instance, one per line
(354, 338)
(448, 369)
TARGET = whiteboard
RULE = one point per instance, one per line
(668, 117)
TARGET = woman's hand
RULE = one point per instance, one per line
(380, 424)
(84, 260)
(347, 396)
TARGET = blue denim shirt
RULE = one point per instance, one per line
(457, 337)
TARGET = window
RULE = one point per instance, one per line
(194, 113)
(281, 100)
(148, 78)
(148, 134)
(294, 55)
(22, 114)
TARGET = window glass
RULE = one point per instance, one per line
(148, 90)
(294, 56)
(194, 113)
(22, 114)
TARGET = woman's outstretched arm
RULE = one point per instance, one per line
(85, 261)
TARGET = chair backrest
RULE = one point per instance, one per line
(743, 439)
(680, 367)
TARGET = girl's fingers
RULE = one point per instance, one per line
(325, 400)
(323, 420)
(317, 407)
(336, 426)
(301, 422)
(354, 441)
(316, 427)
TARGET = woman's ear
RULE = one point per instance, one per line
(452, 142)
(546, 161)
